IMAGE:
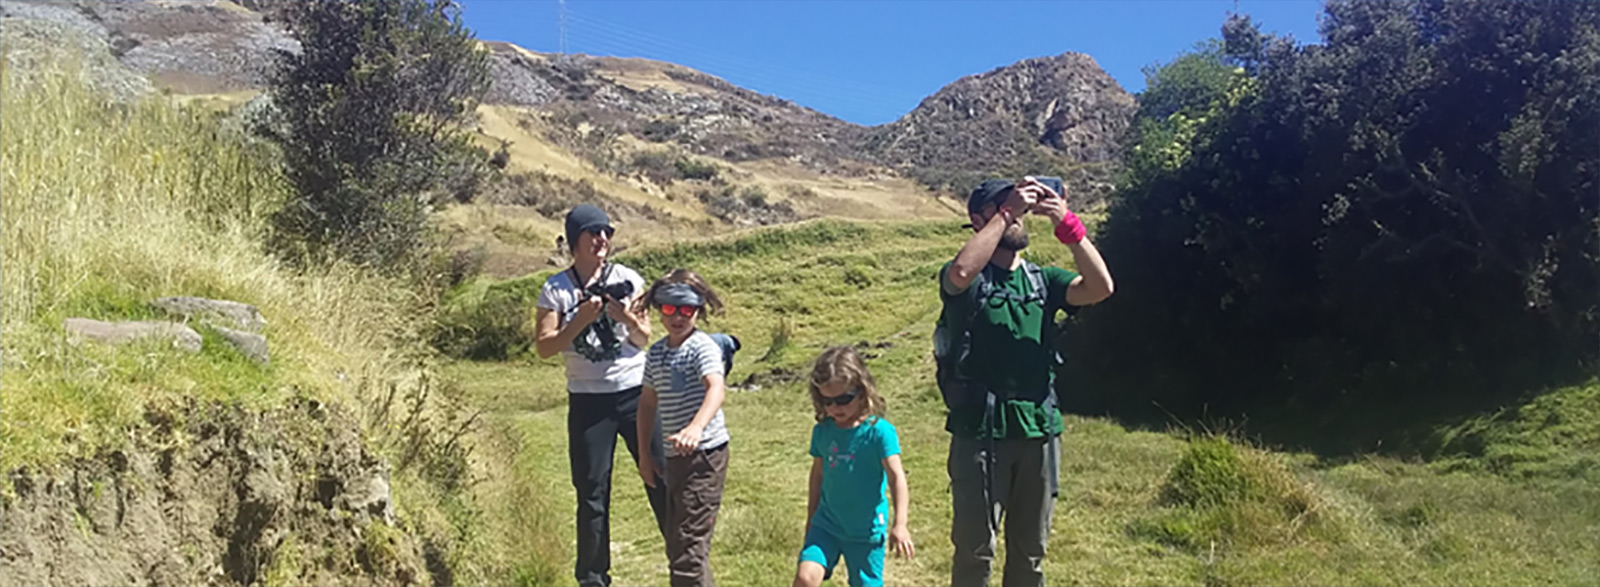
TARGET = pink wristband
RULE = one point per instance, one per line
(1071, 229)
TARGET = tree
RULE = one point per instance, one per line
(370, 110)
(1360, 237)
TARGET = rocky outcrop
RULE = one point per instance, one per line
(236, 314)
(1058, 114)
(191, 46)
(35, 35)
(1061, 111)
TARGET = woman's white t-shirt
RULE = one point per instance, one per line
(561, 296)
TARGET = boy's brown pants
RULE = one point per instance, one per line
(694, 494)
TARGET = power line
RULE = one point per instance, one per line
(604, 35)
(721, 60)
(792, 86)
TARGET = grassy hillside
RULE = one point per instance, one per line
(552, 164)
(108, 206)
(1137, 507)
(563, 162)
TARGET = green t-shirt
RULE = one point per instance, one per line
(1008, 354)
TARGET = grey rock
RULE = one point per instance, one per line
(251, 344)
(239, 315)
(373, 498)
(182, 337)
(39, 37)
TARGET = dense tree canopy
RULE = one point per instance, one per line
(1396, 224)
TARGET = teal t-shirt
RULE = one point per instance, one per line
(855, 487)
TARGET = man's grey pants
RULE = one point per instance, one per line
(1025, 487)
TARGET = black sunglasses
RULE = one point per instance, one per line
(843, 399)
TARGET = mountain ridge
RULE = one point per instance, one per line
(212, 47)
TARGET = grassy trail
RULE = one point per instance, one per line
(795, 291)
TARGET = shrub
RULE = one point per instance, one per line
(488, 320)
(691, 169)
(371, 110)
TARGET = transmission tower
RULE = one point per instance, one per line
(562, 6)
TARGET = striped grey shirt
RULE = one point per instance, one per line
(675, 374)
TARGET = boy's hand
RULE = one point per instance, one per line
(900, 541)
(647, 470)
(686, 440)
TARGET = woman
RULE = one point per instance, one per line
(592, 315)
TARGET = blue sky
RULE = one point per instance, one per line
(871, 61)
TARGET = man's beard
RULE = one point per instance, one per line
(1015, 238)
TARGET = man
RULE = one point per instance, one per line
(592, 314)
(998, 318)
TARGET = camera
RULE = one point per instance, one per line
(1054, 183)
(617, 292)
(603, 345)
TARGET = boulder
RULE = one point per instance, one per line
(182, 337)
(251, 344)
(235, 314)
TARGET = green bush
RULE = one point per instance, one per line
(489, 320)
(1220, 493)
(1210, 473)
(660, 130)
(656, 166)
(691, 169)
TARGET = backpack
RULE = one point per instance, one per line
(730, 345)
(952, 348)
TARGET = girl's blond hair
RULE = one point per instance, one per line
(843, 364)
(713, 304)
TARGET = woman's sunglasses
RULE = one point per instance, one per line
(842, 399)
(687, 311)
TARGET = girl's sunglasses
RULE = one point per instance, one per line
(842, 399)
(687, 311)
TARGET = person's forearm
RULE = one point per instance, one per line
(976, 252)
(550, 345)
(902, 499)
(638, 330)
(815, 494)
(1096, 276)
(647, 415)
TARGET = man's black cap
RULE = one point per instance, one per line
(990, 191)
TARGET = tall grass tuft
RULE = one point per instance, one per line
(108, 205)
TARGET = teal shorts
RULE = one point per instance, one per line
(863, 559)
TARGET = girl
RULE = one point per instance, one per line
(683, 384)
(855, 458)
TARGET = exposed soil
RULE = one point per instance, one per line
(213, 495)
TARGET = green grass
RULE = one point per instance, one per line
(1137, 508)
(106, 208)
(109, 206)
